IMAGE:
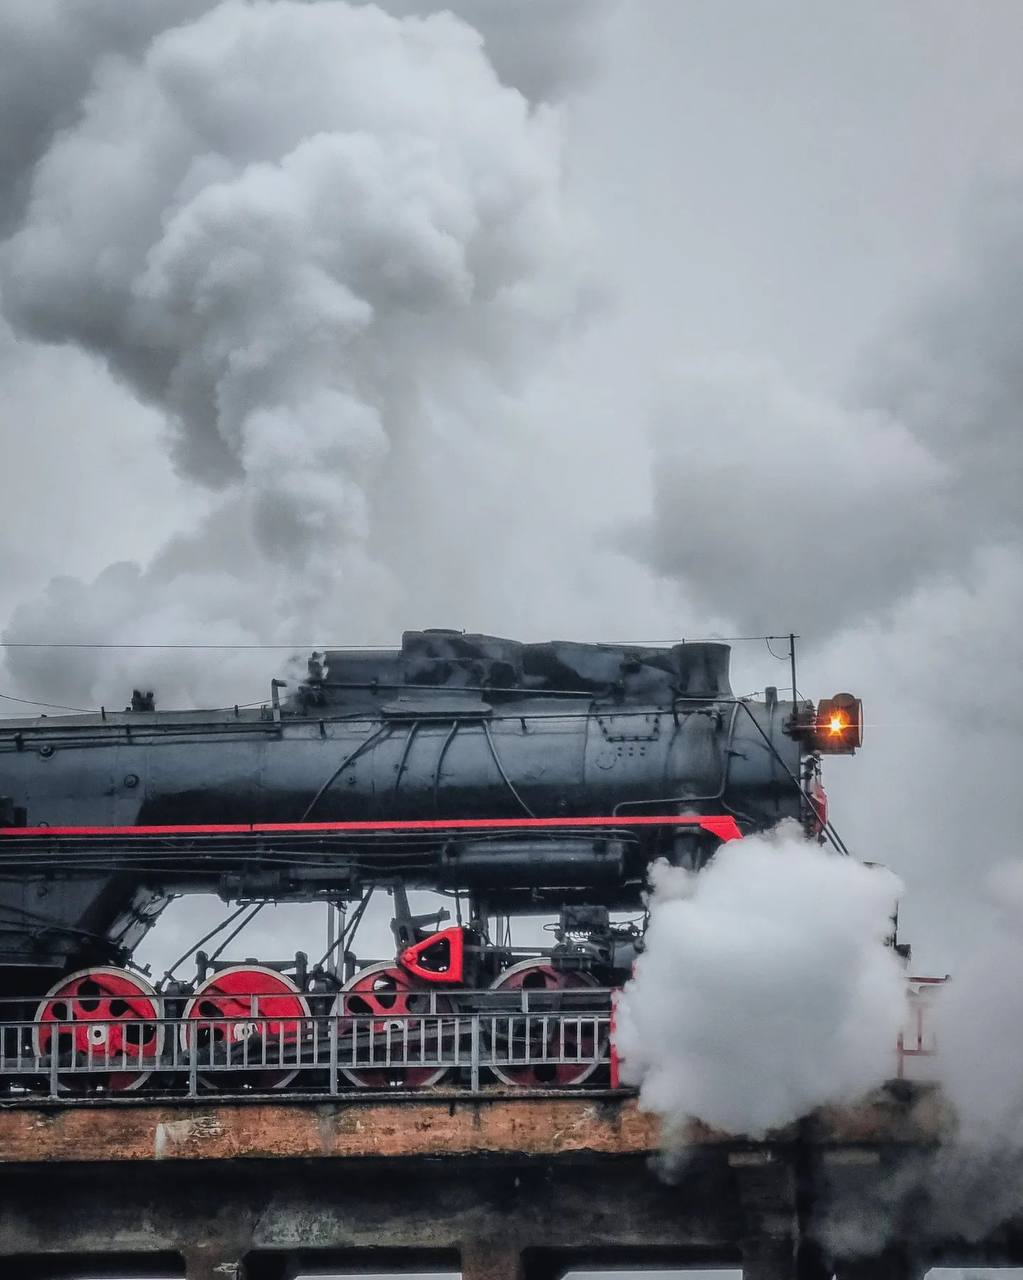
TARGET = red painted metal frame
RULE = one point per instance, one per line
(723, 826)
(454, 973)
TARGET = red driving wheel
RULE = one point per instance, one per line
(554, 1051)
(385, 1016)
(250, 1017)
(105, 1024)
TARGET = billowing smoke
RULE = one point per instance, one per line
(981, 1010)
(771, 497)
(885, 527)
(933, 792)
(545, 48)
(770, 502)
(765, 989)
(51, 48)
(329, 246)
(976, 1182)
(969, 1185)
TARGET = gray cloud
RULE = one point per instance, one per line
(318, 280)
(770, 503)
(54, 48)
(833, 509)
(51, 50)
(545, 48)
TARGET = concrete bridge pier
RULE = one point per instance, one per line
(494, 1260)
(769, 1259)
(501, 1187)
(891, 1265)
(213, 1264)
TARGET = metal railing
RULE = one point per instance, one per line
(523, 1040)
(471, 1042)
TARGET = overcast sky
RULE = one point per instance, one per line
(729, 338)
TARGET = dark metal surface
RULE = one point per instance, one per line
(448, 726)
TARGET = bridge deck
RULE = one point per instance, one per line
(414, 1126)
(501, 1186)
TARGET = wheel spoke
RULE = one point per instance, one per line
(384, 1013)
(555, 1043)
(246, 1015)
(99, 1020)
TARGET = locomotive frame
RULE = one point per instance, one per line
(466, 765)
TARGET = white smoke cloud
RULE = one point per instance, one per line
(770, 498)
(933, 793)
(50, 52)
(770, 503)
(977, 1025)
(969, 1185)
(53, 48)
(545, 48)
(325, 243)
(765, 989)
(883, 524)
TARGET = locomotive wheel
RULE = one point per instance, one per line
(378, 1007)
(99, 1017)
(525, 1036)
(248, 1014)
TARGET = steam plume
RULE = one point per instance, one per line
(326, 243)
(765, 491)
(765, 989)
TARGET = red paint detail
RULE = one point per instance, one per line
(388, 1001)
(534, 1035)
(416, 960)
(239, 1003)
(723, 826)
(819, 804)
(247, 994)
(111, 1005)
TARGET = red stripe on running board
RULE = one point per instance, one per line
(723, 826)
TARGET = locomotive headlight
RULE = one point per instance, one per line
(838, 725)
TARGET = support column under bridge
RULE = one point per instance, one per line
(503, 1187)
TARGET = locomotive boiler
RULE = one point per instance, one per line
(513, 778)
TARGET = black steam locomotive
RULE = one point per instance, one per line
(514, 778)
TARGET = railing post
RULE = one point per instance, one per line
(474, 1054)
(54, 1054)
(193, 1063)
(510, 1038)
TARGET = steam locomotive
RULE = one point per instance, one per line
(516, 779)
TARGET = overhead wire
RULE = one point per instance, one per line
(343, 648)
(53, 706)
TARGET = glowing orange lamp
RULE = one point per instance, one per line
(838, 725)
